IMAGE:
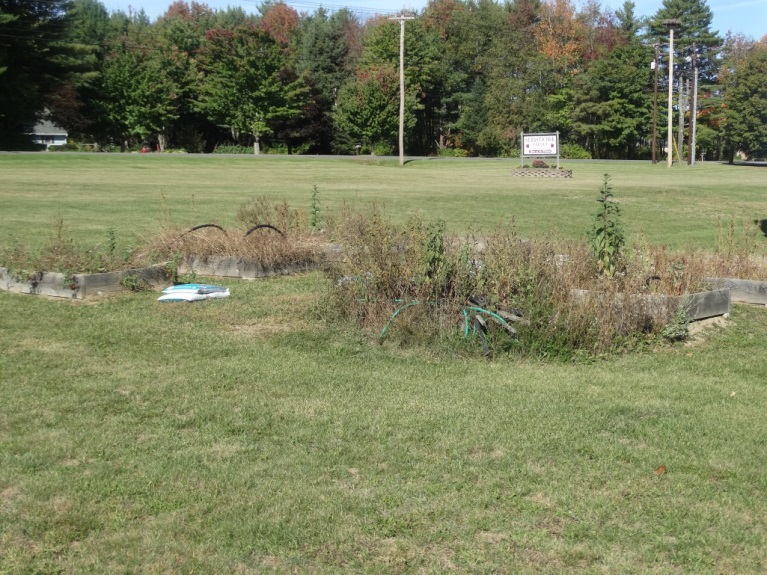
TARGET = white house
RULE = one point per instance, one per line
(48, 134)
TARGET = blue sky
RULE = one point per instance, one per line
(741, 16)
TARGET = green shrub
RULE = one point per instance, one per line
(188, 139)
(677, 329)
(493, 142)
(282, 149)
(68, 147)
(452, 153)
(574, 152)
(232, 148)
(382, 149)
(315, 210)
(172, 270)
(134, 283)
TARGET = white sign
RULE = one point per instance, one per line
(540, 145)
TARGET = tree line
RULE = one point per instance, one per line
(478, 73)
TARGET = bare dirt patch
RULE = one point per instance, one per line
(698, 329)
(267, 327)
(8, 496)
(491, 537)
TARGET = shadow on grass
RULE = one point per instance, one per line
(747, 164)
(762, 224)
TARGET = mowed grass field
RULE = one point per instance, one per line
(248, 436)
(678, 207)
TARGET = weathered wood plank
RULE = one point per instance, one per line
(79, 286)
(229, 266)
(707, 304)
(698, 306)
(110, 282)
(741, 291)
(41, 283)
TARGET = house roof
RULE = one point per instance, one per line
(48, 128)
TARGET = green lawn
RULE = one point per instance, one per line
(241, 436)
(247, 436)
(679, 206)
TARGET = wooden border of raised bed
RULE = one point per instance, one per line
(236, 267)
(80, 286)
(701, 305)
(743, 291)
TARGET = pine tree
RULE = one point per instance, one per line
(693, 33)
(628, 22)
(326, 60)
(34, 60)
(613, 109)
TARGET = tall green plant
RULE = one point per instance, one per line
(436, 267)
(607, 237)
(315, 211)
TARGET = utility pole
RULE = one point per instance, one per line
(688, 105)
(694, 111)
(670, 151)
(680, 120)
(655, 66)
(402, 20)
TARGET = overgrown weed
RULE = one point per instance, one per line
(293, 245)
(265, 246)
(272, 234)
(415, 282)
(262, 210)
(61, 253)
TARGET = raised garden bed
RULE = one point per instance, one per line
(542, 173)
(80, 286)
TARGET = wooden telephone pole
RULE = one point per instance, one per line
(670, 152)
(694, 109)
(402, 20)
(655, 66)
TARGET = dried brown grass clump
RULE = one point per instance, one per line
(385, 266)
(263, 210)
(272, 234)
(657, 269)
(265, 246)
